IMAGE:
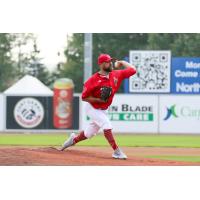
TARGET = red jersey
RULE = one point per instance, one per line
(93, 85)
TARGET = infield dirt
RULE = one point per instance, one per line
(91, 156)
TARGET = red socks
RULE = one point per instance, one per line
(79, 137)
(109, 136)
(107, 133)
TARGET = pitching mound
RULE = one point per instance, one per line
(90, 156)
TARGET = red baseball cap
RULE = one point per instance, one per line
(104, 58)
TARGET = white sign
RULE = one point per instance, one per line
(153, 71)
(131, 114)
(29, 112)
(179, 114)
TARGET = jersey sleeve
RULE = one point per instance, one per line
(126, 73)
(87, 89)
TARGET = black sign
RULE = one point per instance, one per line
(27, 112)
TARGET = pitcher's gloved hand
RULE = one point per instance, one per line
(105, 93)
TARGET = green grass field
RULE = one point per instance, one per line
(123, 140)
(99, 140)
(177, 158)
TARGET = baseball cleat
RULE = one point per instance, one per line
(118, 154)
(69, 142)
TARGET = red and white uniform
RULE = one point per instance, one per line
(97, 111)
(93, 85)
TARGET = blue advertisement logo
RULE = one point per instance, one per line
(170, 112)
(185, 75)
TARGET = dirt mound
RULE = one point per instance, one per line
(90, 156)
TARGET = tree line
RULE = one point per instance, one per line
(115, 44)
(16, 61)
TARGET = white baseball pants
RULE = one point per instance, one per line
(99, 119)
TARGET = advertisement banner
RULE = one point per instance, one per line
(179, 114)
(35, 113)
(185, 75)
(131, 114)
(153, 71)
(63, 103)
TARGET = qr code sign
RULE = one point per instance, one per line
(153, 71)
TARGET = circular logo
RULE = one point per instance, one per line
(63, 109)
(28, 112)
(63, 93)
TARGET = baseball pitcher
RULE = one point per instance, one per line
(98, 92)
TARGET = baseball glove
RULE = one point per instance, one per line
(105, 93)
